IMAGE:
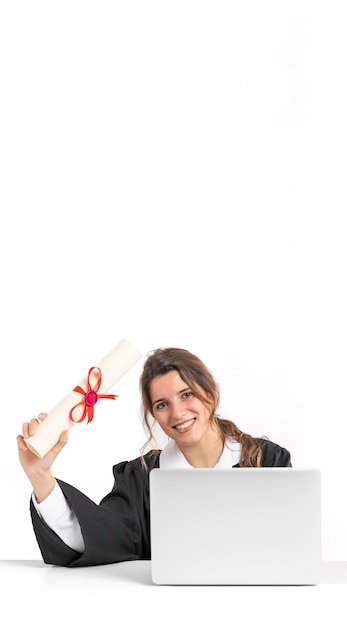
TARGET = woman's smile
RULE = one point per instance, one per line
(185, 426)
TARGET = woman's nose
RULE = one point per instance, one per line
(178, 410)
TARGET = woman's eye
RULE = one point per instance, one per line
(161, 405)
(187, 394)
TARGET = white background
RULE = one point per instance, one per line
(174, 173)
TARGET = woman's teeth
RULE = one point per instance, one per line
(184, 425)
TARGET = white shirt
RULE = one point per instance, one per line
(59, 516)
(171, 456)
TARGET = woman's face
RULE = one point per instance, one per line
(181, 415)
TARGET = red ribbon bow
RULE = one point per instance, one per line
(90, 396)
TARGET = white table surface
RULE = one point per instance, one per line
(124, 593)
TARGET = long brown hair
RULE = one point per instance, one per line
(197, 376)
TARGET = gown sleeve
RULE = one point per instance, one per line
(274, 455)
(115, 530)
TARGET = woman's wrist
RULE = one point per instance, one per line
(43, 484)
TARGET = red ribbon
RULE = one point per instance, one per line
(90, 396)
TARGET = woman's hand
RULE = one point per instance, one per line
(39, 470)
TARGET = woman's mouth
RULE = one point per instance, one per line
(185, 426)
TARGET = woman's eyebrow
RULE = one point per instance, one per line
(165, 400)
(159, 400)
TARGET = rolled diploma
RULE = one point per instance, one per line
(112, 367)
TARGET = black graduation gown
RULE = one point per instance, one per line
(118, 528)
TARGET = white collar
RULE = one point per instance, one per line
(171, 456)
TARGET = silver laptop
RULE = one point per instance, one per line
(243, 526)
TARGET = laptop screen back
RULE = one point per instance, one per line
(240, 526)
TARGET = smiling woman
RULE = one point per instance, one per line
(181, 395)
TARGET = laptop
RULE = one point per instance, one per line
(241, 526)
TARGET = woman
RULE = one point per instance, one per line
(180, 393)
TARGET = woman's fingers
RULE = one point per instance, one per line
(29, 461)
(32, 427)
(29, 428)
(21, 443)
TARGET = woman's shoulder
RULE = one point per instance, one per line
(273, 454)
(140, 465)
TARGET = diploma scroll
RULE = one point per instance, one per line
(111, 369)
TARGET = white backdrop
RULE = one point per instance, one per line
(173, 173)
